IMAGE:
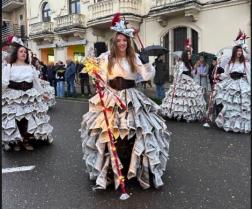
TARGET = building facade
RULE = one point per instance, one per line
(14, 20)
(61, 29)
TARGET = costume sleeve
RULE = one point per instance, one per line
(226, 73)
(248, 71)
(36, 81)
(5, 77)
(147, 71)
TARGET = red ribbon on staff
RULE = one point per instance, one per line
(124, 195)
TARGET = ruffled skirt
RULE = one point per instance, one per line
(18, 104)
(140, 123)
(188, 101)
(234, 95)
(49, 91)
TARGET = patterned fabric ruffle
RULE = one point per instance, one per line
(18, 104)
(49, 91)
(188, 101)
(151, 143)
(234, 95)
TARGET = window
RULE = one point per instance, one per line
(195, 38)
(180, 35)
(166, 45)
(96, 1)
(74, 6)
(21, 17)
(46, 12)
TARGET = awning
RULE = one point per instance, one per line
(47, 46)
(71, 43)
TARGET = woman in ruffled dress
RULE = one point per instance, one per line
(234, 92)
(23, 108)
(185, 98)
(48, 89)
(141, 136)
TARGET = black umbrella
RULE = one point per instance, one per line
(155, 50)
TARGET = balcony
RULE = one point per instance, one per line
(102, 12)
(67, 25)
(41, 31)
(163, 9)
(10, 5)
(17, 30)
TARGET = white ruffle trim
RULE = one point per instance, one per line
(18, 104)
(151, 146)
(188, 101)
(234, 95)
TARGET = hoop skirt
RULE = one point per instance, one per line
(140, 124)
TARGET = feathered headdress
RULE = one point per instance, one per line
(188, 46)
(240, 39)
(117, 24)
(15, 41)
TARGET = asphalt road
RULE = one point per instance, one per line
(208, 168)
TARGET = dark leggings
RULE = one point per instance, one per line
(22, 126)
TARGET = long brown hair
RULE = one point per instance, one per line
(188, 62)
(234, 55)
(14, 56)
(114, 54)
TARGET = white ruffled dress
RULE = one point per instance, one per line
(19, 104)
(234, 95)
(151, 144)
(188, 102)
(48, 90)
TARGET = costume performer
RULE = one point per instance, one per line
(23, 110)
(141, 136)
(233, 92)
(185, 98)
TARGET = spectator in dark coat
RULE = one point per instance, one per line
(160, 76)
(60, 78)
(43, 71)
(69, 77)
(84, 80)
(51, 75)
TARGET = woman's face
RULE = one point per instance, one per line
(37, 63)
(201, 59)
(21, 54)
(239, 53)
(121, 43)
(189, 55)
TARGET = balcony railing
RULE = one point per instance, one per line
(105, 8)
(10, 5)
(41, 28)
(69, 21)
(17, 30)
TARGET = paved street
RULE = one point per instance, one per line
(208, 168)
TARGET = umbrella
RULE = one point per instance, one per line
(208, 57)
(177, 54)
(155, 50)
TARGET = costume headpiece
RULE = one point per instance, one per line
(188, 46)
(240, 39)
(118, 25)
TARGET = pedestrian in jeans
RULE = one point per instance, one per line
(84, 80)
(60, 78)
(70, 76)
(160, 76)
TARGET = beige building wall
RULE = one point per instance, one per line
(217, 24)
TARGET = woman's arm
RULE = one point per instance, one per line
(147, 71)
(5, 77)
